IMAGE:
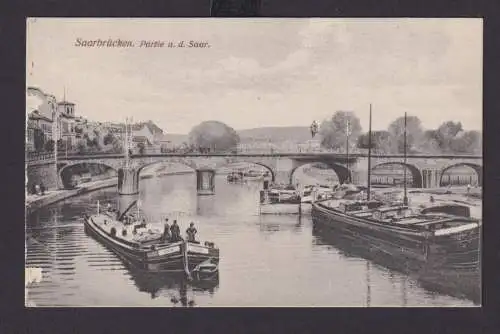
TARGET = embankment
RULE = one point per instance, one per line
(34, 203)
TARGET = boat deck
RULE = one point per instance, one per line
(144, 234)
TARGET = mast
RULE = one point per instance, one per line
(405, 198)
(347, 150)
(369, 154)
(126, 143)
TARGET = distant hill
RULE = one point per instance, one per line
(276, 134)
(273, 134)
(176, 139)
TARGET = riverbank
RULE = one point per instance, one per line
(36, 202)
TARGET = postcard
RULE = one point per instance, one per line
(258, 162)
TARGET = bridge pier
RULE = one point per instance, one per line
(431, 178)
(128, 181)
(205, 181)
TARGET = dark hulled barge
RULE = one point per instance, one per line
(146, 247)
(439, 240)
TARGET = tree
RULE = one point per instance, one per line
(117, 146)
(213, 136)
(78, 130)
(38, 140)
(414, 134)
(141, 147)
(109, 139)
(446, 134)
(49, 145)
(333, 131)
(80, 147)
(430, 142)
(467, 142)
(380, 141)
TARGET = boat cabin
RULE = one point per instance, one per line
(447, 209)
(351, 207)
(391, 213)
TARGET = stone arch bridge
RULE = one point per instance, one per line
(426, 170)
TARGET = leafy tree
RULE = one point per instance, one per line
(381, 142)
(109, 139)
(80, 147)
(117, 146)
(414, 134)
(49, 145)
(430, 142)
(213, 136)
(61, 144)
(446, 134)
(38, 139)
(333, 131)
(141, 147)
(468, 142)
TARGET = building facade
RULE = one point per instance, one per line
(66, 116)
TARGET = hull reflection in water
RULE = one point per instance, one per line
(431, 279)
(174, 286)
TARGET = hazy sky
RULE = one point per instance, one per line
(263, 72)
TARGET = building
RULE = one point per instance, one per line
(67, 122)
(30, 135)
(40, 110)
(162, 143)
(141, 133)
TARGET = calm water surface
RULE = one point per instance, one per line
(265, 260)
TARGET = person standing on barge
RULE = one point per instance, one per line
(166, 231)
(175, 231)
(191, 233)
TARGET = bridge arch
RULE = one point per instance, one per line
(476, 167)
(66, 178)
(141, 167)
(414, 170)
(343, 174)
(250, 162)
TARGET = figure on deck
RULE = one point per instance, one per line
(166, 231)
(175, 231)
(191, 232)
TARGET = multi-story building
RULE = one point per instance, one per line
(40, 109)
(141, 133)
(66, 115)
(30, 135)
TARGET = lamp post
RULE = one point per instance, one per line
(348, 129)
(55, 138)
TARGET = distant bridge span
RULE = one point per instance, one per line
(426, 169)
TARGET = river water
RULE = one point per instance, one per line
(265, 260)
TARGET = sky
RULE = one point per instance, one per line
(263, 72)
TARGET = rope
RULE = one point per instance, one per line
(186, 262)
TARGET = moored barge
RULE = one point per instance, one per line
(146, 247)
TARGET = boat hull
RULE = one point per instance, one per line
(456, 252)
(166, 258)
(464, 283)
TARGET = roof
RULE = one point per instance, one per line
(66, 115)
(140, 139)
(35, 115)
(66, 103)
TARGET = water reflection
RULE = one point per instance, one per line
(271, 223)
(174, 286)
(205, 206)
(349, 247)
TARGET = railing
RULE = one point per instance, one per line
(47, 156)
(39, 156)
